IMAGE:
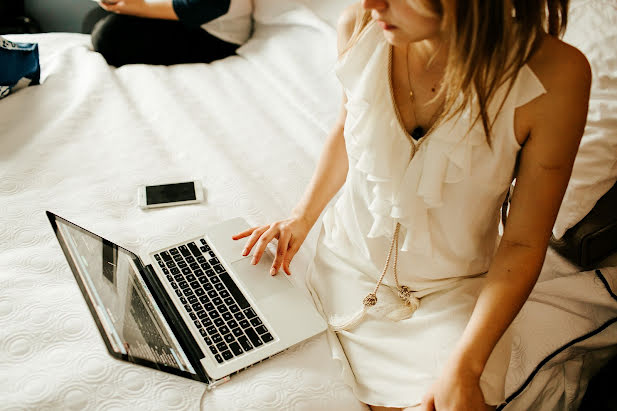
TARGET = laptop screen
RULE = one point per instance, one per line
(126, 311)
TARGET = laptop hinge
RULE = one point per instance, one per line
(176, 323)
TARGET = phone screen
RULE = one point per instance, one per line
(170, 193)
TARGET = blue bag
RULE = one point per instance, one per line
(18, 61)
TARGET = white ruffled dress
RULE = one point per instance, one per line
(446, 195)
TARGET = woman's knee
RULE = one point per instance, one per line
(110, 37)
(102, 33)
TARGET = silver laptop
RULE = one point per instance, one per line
(199, 310)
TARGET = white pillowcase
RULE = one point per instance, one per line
(270, 11)
(329, 10)
(592, 28)
(275, 11)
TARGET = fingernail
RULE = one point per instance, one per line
(244, 252)
(272, 271)
(253, 261)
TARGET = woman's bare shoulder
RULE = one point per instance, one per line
(560, 66)
(565, 73)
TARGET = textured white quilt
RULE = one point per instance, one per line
(250, 128)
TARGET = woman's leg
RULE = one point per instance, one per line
(125, 39)
(93, 17)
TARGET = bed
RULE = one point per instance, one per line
(250, 128)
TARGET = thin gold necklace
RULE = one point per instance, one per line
(418, 132)
(414, 145)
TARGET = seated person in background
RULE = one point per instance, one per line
(169, 31)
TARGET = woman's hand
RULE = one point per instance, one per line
(130, 7)
(290, 233)
(458, 389)
(162, 9)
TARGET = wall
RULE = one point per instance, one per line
(59, 15)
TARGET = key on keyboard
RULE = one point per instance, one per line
(231, 327)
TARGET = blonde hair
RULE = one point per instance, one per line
(489, 42)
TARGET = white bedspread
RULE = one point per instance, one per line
(251, 129)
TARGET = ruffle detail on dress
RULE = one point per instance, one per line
(403, 190)
(444, 158)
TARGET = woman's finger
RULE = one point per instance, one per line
(294, 246)
(243, 234)
(253, 239)
(263, 242)
(281, 250)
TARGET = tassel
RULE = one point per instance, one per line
(411, 305)
(399, 314)
(393, 312)
(341, 323)
(338, 323)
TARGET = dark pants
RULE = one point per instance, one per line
(133, 40)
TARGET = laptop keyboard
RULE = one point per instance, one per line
(224, 317)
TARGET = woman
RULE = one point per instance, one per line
(446, 102)
(169, 31)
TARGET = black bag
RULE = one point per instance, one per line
(594, 237)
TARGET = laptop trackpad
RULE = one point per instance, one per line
(258, 280)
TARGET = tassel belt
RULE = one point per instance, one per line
(411, 302)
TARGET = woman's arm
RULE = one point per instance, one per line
(333, 165)
(329, 176)
(327, 180)
(191, 12)
(161, 9)
(291, 232)
(556, 123)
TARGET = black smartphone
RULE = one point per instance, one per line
(165, 195)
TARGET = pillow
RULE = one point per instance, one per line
(272, 11)
(329, 10)
(592, 28)
(593, 238)
(275, 11)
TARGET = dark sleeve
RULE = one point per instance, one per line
(198, 12)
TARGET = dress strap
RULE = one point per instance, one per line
(527, 87)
